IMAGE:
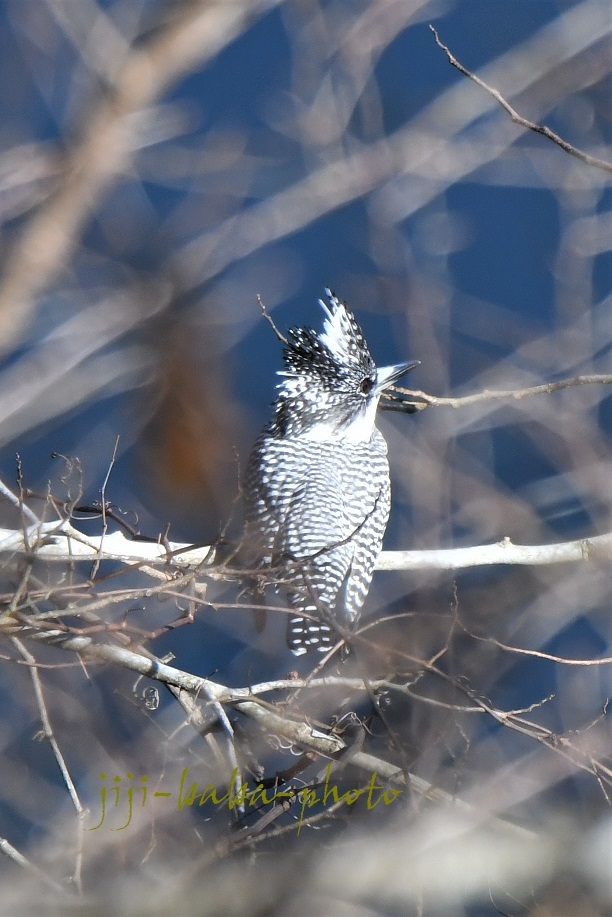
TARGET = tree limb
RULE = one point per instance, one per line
(60, 541)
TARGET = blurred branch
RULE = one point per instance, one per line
(195, 35)
(80, 358)
(433, 143)
(270, 720)
(518, 119)
(13, 854)
(48, 733)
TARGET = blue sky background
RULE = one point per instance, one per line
(322, 144)
(475, 270)
(482, 248)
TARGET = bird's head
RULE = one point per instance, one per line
(330, 384)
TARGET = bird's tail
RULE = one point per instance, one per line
(304, 634)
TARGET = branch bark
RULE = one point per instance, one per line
(60, 541)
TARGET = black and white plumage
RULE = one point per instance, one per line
(317, 488)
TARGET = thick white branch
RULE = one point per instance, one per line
(60, 541)
(503, 552)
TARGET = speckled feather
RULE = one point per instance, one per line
(317, 486)
(310, 513)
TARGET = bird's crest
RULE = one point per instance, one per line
(341, 334)
(338, 349)
(322, 391)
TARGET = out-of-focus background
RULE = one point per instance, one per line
(161, 164)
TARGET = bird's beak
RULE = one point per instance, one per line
(387, 375)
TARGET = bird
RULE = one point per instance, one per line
(316, 487)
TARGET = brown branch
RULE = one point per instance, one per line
(508, 394)
(271, 321)
(538, 654)
(514, 720)
(518, 119)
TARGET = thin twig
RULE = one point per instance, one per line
(48, 733)
(518, 119)
(538, 654)
(96, 563)
(46, 724)
(279, 334)
(19, 504)
(507, 394)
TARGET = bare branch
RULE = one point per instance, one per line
(298, 732)
(271, 321)
(518, 119)
(61, 762)
(503, 552)
(508, 394)
(539, 654)
(10, 496)
(60, 541)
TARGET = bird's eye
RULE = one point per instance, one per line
(366, 386)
